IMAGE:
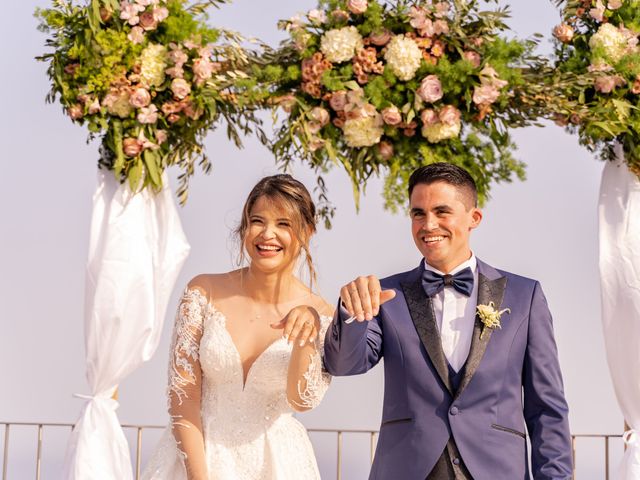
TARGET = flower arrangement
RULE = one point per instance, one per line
(597, 43)
(149, 78)
(385, 88)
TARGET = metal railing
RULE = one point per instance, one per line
(373, 434)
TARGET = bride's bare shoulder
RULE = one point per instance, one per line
(215, 284)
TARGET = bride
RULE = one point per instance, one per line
(246, 353)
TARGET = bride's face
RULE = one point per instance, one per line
(270, 240)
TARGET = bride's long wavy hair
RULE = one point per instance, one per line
(292, 196)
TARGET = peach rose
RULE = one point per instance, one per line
(287, 102)
(340, 15)
(148, 21)
(430, 89)
(131, 147)
(380, 38)
(140, 98)
(391, 115)
(472, 57)
(449, 115)
(429, 116)
(357, 6)
(180, 88)
(564, 32)
(319, 115)
(338, 100)
(608, 83)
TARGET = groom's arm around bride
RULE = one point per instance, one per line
(470, 357)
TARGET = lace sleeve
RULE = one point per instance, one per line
(315, 380)
(184, 385)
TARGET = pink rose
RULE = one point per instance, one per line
(614, 4)
(148, 21)
(140, 98)
(173, 118)
(317, 16)
(136, 35)
(472, 57)
(319, 115)
(357, 6)
(380, 38)
(75, 111)
(391, 115)
(338, 100)
(161, 136)
(608, 83)
(131, 147)
(160, 14)
(429, 116)
(485, 94)
(442, 8)
(386, 150)
(314, 127)
(148, 114)
(180, 88)
(430, 89)
(203, 68)
(564, 32)
(449, 115)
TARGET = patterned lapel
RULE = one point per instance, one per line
(424, 319)
(489, 290)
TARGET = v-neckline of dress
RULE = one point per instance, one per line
(244, 375)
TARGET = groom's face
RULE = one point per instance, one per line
(442, 217)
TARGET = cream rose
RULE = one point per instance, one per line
(140, 98)
(391, 116)
(357, 6)
(180, 88)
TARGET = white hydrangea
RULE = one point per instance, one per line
(341, 44)
(436, 132)
(403, 57)
(363, 132)
(153, 62)
(611, 40)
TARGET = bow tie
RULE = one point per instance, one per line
(433, 282)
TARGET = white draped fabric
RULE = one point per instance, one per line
(137, 247)
(619, 224)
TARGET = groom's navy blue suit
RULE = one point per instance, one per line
(511, 379)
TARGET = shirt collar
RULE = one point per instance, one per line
(472, 263)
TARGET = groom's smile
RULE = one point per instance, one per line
(442, 217)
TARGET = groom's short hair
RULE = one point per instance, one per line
(448, 173)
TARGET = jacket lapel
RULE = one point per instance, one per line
(423, 316)
(491, 288)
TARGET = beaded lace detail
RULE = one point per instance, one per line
(248, 428)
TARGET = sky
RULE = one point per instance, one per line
(544, 228)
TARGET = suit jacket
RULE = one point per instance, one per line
(512, 378)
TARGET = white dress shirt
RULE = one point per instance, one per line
(455, 316)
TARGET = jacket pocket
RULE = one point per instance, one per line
(397, 420)
(508, 430)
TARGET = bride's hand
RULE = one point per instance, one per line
(301, 325)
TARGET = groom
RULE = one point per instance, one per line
(469, 353)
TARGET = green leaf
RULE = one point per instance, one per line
(117, 146)
(151, 161)
(135, 173)
(604, 126)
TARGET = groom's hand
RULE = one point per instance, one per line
(363, 296)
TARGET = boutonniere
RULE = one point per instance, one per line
(489, 316)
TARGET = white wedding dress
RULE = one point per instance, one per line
(249, 431)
